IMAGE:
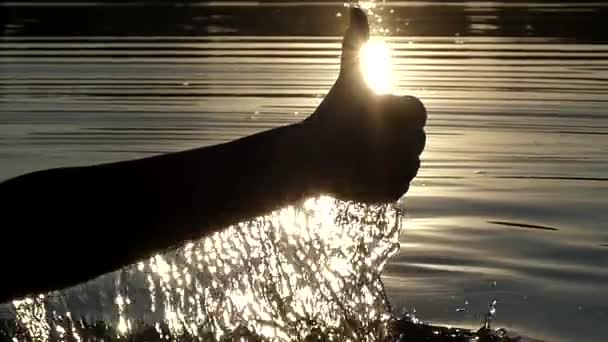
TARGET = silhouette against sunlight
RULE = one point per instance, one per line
(357, 145)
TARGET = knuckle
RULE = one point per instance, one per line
(418, 110)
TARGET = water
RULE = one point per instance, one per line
(508, 205)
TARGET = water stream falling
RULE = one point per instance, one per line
(305, 270)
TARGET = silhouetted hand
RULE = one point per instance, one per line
(370, 143)
(356, 145)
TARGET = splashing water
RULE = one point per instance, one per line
(306, 270)
(490, 315)
(31, 318)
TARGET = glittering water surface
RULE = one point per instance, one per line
(510, 203)
(305, 270)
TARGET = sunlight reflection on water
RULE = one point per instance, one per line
(517, 133)
(303, 270)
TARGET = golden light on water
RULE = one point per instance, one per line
(376, 65)
(307, 269)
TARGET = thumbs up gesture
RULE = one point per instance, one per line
(369, 144)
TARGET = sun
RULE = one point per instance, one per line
(376, 65)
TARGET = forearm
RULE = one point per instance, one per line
(112, 215)
(253, 175)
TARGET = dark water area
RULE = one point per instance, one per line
(576, 21)
(510, 202)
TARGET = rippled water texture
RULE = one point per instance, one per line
(510, 203)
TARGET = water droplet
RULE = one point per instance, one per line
(490, 314)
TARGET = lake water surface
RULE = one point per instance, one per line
(512, 197)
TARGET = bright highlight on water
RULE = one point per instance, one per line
(518, 134)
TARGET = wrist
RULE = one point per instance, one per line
(303, 158)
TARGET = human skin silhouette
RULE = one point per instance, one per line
(355, 146)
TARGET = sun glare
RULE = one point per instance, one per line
(376, 65)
